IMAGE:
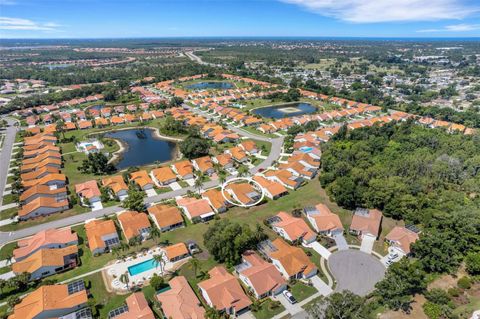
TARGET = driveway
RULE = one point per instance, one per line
(356, 271)
(367, 244)
(175, 186)
(291, 309)
(97, 206)
(324, 252)
(150, 192)
(340, 241)
(321, 286)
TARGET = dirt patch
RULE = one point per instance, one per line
(415, 313)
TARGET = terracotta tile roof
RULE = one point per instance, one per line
(204, 163)
(88, 189)
(48, 299)
(95, 229)
(41, 202)
(216, 199)
(38, 165)
(44, 258)
(293, 259)
(195, 207)
(263, 276)
(402, 237)
(42, 190)
(249, 145)
(325, 220)
(165, 215)
(224, 159)
(84, 124)
(132, 222)
(141, 178)
(116, 183)
(176, 250)
(137, 308)
(295, 228)
(44, 238)
(369, 223)
(180, 302)
(164, 174)
(224, 291)
(238, 153)
(272, 187)
(183, 168)
(244, 192)
(45, 180)
(38, 173)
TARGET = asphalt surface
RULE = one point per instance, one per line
(81, 218)
(355, 271)
(6, 154)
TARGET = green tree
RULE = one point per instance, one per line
(472, 262)
(194, 147)
(134, 200)
(340, 305)
(97, 164)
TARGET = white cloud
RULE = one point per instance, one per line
(463, 27)
(369, 11)
(7, 23)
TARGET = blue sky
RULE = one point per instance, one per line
(200, 18)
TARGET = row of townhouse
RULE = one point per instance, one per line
(44, 189)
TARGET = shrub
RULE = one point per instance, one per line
(433, 311)
(454, 292)
(473, 263)
(438, 296)
(157, 282)
(464, 283)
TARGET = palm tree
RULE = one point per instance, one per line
(59, 127)
(195, 263)
(9, 259)
(242, 171)
(155, 234)
(160, 260)
(125, 279)
(222, 176)
(199, 181)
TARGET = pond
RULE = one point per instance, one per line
(285, 110)
(211, 85)
(142, 147)
(96, 107)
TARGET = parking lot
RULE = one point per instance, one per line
(356, 271)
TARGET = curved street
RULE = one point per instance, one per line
(6, 237)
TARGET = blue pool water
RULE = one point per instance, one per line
(141, 267)
(306, 149)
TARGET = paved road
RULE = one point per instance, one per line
(6, 154)
(77, 219)
(199, 60)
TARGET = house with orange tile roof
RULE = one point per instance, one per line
(184, 169)
(47, 261)
(298, 169)
(366, 222)
(204, 164)
(134, 225)
(271, 189)
(101, 235)
(400, 240)
(291, 261)
(284, 177)
(224, 293)
(37, 174)
(69, 126)
(42, 206)
(217, 200)
(261, 277)
(176, 252)
(37, 191)
(323, 220)
(89, 192)
(84, 124)
(225, 160)
(195, 209)
(45, 239)
(135, 307)
(180, 301)
(163, 176)
(142, 179)
(55, 163)
(117, 186)
(243, 193)
(238, 154)
(249, 146)
(44, 148)
(54, 301)
(166, 217)
(51, 180)
(101, 122)
(292, 228)
(53, 155)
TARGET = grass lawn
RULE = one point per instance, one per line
(7, 199)
(256, 132)
(268, 309)
(266, 145)
(10, 179)
(301, 291)
(104, 300)
(8, 213)
(7, 250)
(4, 270)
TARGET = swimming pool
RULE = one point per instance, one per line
(306, 149)
(141, 267)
